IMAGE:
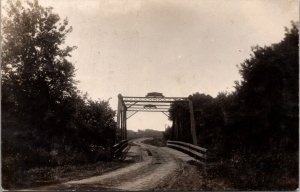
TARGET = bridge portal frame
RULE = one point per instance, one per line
(133, 105)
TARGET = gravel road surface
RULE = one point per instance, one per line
(155, 168)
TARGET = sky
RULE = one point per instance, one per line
(176, 47)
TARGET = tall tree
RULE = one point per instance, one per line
(45, 119)
(268, 94)
(37, 83)
(37, 77)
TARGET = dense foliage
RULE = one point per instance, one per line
(46, 121)
(255, 128)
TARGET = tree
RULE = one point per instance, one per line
(43, 113)
(37, 84)
(46, 121)
(263, 115)
(268, 94)
(208, 120)
(37, 78)
(96, 122)
(255, 129)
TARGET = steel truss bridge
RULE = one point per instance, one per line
(129, 106)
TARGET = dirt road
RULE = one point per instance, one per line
(158, 168)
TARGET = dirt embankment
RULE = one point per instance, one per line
(54, 175)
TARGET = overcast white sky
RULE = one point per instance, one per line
(177, 47)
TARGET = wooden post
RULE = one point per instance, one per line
(193, 125)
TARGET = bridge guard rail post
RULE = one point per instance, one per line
(119, 148)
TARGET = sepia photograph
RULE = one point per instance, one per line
(149, 95)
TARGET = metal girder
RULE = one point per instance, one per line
(157, 101)
(166, 114)
(140, 107)
(151, 97)
(143, 104)
(154, 99)
(149, 110)
(131, 105)
(159, 104)
(132, 114)
(122, 100)
(162, 104)
(193, 125)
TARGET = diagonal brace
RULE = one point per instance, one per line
(131, 114)
(166, 114)
(131, 105)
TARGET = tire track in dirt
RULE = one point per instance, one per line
(154, 167)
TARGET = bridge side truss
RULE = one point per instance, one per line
(129, 106)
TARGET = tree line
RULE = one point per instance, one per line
(46, 120)
(254, 129)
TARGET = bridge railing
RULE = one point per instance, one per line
(119, 148)
(197, 152)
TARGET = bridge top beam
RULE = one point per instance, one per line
(162, 104)
(147, 110)
(157, 97)
(154, 99)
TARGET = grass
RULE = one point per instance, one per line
(42, 176)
